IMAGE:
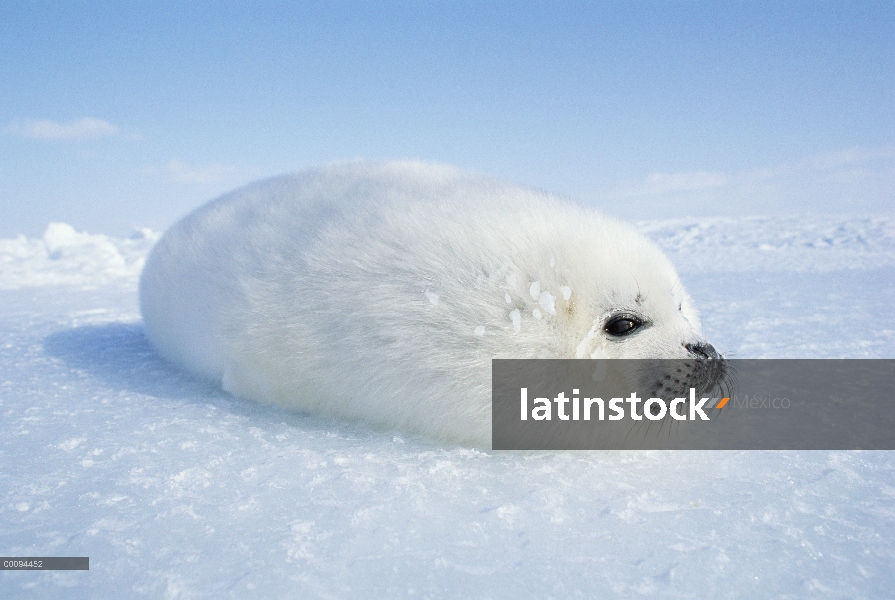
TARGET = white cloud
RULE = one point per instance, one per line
(669, 183)
(180, 172)
(45, 129)
(854, 180)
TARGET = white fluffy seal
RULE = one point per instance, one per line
(381, 291)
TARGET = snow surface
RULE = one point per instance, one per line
(177, 490)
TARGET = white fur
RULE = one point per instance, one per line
(381, 292)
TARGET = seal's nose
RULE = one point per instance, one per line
(702, 350)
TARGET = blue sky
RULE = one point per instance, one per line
(116, 115)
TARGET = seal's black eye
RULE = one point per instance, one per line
(622, 325)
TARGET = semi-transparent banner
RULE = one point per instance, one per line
(693, 404)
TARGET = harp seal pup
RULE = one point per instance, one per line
(380, 292)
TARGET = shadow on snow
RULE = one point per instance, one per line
(120, 356)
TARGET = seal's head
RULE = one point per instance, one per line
(639, 309)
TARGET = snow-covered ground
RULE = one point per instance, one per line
(177, 490)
